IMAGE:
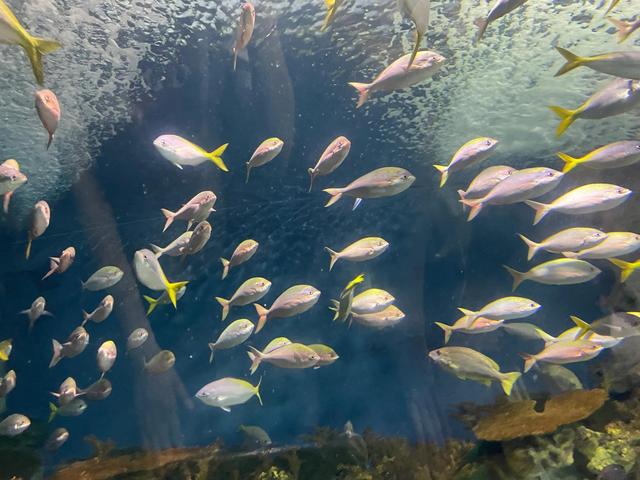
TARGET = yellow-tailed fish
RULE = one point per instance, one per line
(382, 182)
(101, 312)
(162, 299)
(570, 351)
(388, 317)
(468, 364)
(243, 252)
(470, 153)
(327, 355)
(149, 272)
(616, 97)
(160, 362)
(359, 251)
(618, 64)
(293, 301)
(463, 325)
(397, 76)
(5, 349)
(624, 29)
(332, 8)
(62, 263)
(106, 356)
(246, 24)
(236, 333)
(568, 240)
(591, 198)
(626, 268)
(266, 151)
(40, 219)
(499, 9)
(227, 392)
(418, 11)
(617, 244)
(74, 346)
(613, 155)
(582, 330)
(181, 152)
(48, 110)
(74, 408)
(293, 355)
(103, 278)
(251, 290)
(562, 271)
(35, 311)
(506, 308)
(194, 211)
(331, 158)
(342, 307)
(618, 325)
(484, 182)
(13, 33)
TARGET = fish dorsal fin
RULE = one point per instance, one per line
(329, 4)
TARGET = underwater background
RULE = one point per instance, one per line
(130, 71)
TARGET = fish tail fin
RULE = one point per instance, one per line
(545, 337)
(50, 140)
(541, 210)
(262, 313)
(335, 306)
(328, 18)
(572, 61)
(627, 268)
(57, 353)
(212, 347)
(567, 117)
(333, 257)
(225, 306)
(256, 357)
(623, 29)
(533, 246)
(85, 318)
(50, 272)
(569, 162)
(170, 216)
(444, 174)
(482, 24)
(257, 390)
(153, 303)
(416, 47)
(27, 253)
(462, 195)
(35, 48)
(447, 331)
(5, 202)
(475, 205)
(156, 249)
(336, 194)
(363, 92)
(225, 267)
(246, 180)
(518, 277)
(584, 326)
(529, 361)
(216, 157)
(53, 411)
(235, 58)
(312, 174)
(507, 381)
(468, 313)
(172, 291)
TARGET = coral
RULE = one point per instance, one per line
(520, 418)
(274, 473)
(618, 444)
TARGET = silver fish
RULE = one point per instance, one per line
(74, 408)
(106, 356)
(562, 271)
(499, 9)
(7, 383)
(48, 109)
(373, 300)
(250, 291)
(175, 248)
(388, 317)
(293, 355)
(149, 272)
(62, 263)
(293, 301)
(618, 64)
(67, 391)
(11, 178)
(194, 211)
(14, 425)
(568, 240)
(36, 310)
(227, 392)
(612, 155)
(243, 252)
(359, 251)
(485, 181)
(137, 338)
(160, 362)
(624, 29)
(266, 151)
(56, 439)
(246, 24)
(472, 152)
(101, 313)
(40, 219)
(74, 346)
(105, 277)
(570, 351)
(232, 336)
(331, 158)
(98, 390)
(617, 244)
(200, 237)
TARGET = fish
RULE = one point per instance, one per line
(74, 346)
(74, 408)
(195, 210)
(618, 64)
(250, 291)
(56, 439)
(472, 152)
(568, 240)
(5, 349)
(137, 338)
(612, 155)
(11, 178)
(243, 252)
(102, 279)
(373, 300)
(200, 237)
(62, 263)
(332, 8)
(41, 213)
(616, 97)
(175, 248)
(617, 244)
(382, 182)
(562, 271)
(101, 313)
(160, 362)
(35, 311)
(484, 182)
(591, 198)
(505, 308)
(48, 109)
(342, 307)
(228, 392)
(98, 390)
(246, 24)
(266, 151)
(468, 364)
(13, 33)
(462, 325)
(388, 317)
(331, 158)
(582, 332)
(163, 299)
(570, 351)
(67, 391)
(521, 185)
(398, 75)
(361, 250)
(106, 357)
(561, 377)
(256, 435)
(527, 331)
(624, 29)
(499, 9)
(327, 354)
(181, 152)
(418, 11)
(275, 344)
(149, 272)
(293, 301)
(618, 325)
(293, 355)
(232, 336)
(7, 383)
(626, 268)
(16, 423)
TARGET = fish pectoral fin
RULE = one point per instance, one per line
(356, 203)
(226, 409)
(178, 165)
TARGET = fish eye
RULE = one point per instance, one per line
(621, 190)
(532, 305)
(488, 142)
(638, 146)
(597, 235)
(550, 174)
